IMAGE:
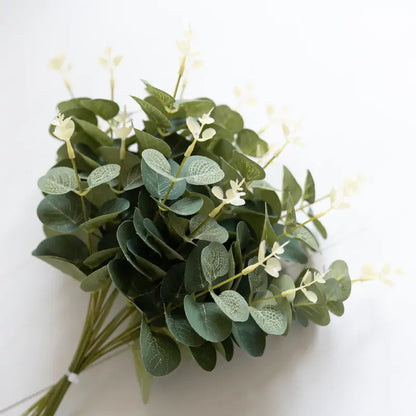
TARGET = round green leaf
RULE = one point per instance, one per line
(180, 328)
(214, 261)
(58, 181)
(61, 213)
(210, 231)
(148, 141)
(201, 170)
(207, 320)
(108, 212)
(270, 319)
(103, 174)
(160, 353)
(158, 185)
(95, 280)
(205, 355)
(106, 109)
(157, 162)
(251, 144)
(187, 206)
(232, 304)
(249, 337)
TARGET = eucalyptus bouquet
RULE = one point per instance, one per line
(177, 219)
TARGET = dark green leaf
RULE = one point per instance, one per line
(160, 353)
(309, 192)
(106, 109)
(207, 320)
(61, 212)
(205, 355)
(290, 187)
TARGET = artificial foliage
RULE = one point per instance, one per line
(177, 218)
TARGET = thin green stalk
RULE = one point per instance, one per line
(276, 154)
(84, 207)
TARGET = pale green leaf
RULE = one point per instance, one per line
(58, 181)
(214, 261)
(232, 304)
(103, 174)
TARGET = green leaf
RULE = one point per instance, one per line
(145, 266)
(165, 98)
(290, 221)
(125, 233)
(306, 237)
(95, 280)
(317, 312)
(225, 348)
(270, 319)
(160, 353)
(227, 118)
(108, 212)
(196, 107)
(58, 181)
(269, 196)
(64, 252)
(157, 238)
(187, 206)
(172, 288)
(144, 378)
(210, 231)
(158, 185)
(309, 189)
(134, 286)
(106, 109)
(285, 282)
(153, 113)
(207, 320)
(99, 257)
(338, 271)
(258, 278)
(73, 108)
(232, 304)
(132, 179)
(214, 261)
(103, 174)
(157, 162)
(180, 328)
(250, 143)
(112, 155)
(201, 170)
(147, 141)
(205, 355)
(268, 233)
(142, 232)
(94, 132)
(86, 154)
(248, 168)
(249, 337)
(194, 276)
(61, 213)
(290, 187)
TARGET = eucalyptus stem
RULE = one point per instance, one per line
(94, 343)
(276, 154)
(84, 207)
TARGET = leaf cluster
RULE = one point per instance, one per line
(182, 269)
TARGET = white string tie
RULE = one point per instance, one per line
(72, 377)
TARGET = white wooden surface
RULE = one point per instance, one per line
(348, 72)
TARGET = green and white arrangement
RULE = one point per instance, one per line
(178, 220)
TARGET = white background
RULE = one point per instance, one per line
(348, 72)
